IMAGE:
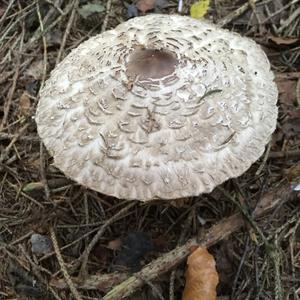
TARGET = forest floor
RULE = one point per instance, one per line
(84, 234)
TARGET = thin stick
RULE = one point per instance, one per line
(4, 154)
(45, 58)
(105, 21)
(67, 277)
(14, 84)
(85, 255)
(294, 154)
(3, 17)
(43, 173)
(67, 31)
(236, 13)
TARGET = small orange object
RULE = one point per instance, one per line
(201, 276)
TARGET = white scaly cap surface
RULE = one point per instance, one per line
(175, 136)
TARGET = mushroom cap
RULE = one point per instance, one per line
(162, 106)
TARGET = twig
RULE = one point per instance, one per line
(285, 154)
(246, 214)
(14, 84)
(36, 269)
(43, 173)
(4, 154)
(155, 290)
(3, 17)
(38, 33)
(275, 255)
(8, 136)
(298, 91)
(52, 183)
(56, 5)
(235, 14)
(279, 11)
(45, 58)
(107, 15)
(69, 245)
(254, 10)
(85, 255)
(237, 275)
(62, 266)
(100, 282)
(263, 163)
(292, 17)
(287, 75)
(209, 237)
(67, 31)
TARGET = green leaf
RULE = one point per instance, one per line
(86, 10)
(199, 9)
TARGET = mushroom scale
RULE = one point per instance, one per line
(162, 106)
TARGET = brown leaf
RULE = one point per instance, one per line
(2, 10)
(145, 5)
(181, 202)
(283, 40)
(287, 91)
(114, 244)
(36, 69)
(293, 172)
(201, 276)
(291, 127)
(24, 104)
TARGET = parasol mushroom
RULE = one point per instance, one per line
(162, 106)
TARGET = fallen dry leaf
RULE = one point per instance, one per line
(145, 5)
(283, 40)
(24, 104)
(36, 70)
(292, 172)
(287, 91)
(201, 276)
(2, 10)
(181, 202)
(114, 244)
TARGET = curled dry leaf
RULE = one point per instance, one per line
(283, 40)
(145, 5)
(24, 104)
(201, 276)
(114, 244)
(287, 91)
(36, 69)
